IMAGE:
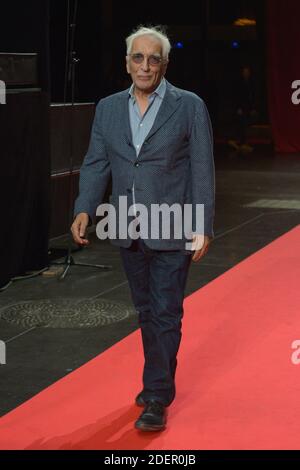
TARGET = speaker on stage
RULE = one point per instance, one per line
(25, 185)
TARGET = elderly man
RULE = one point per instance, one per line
(155, 141)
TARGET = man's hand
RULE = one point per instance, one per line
(78, 228)
(200, 244)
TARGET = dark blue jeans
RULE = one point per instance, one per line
(157, 281)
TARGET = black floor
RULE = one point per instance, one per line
(37, 356)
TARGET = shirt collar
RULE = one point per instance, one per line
(159, 91)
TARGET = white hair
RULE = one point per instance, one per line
(154, 31)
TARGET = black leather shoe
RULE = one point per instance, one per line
(153, 418)
(139, 400)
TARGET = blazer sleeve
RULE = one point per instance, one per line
(202, 170)
(95, 170)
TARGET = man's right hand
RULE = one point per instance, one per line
(78, 228)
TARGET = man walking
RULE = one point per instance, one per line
(155, 141)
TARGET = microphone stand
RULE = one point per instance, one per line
(70, 73)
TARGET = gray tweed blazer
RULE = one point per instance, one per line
(175, 163)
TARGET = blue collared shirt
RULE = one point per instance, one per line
(141, 125)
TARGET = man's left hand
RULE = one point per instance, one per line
(200, 244)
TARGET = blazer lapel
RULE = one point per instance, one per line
(125, 116)
(167, 108)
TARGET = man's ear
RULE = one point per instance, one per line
(127, 64)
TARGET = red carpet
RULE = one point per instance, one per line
(237, 386)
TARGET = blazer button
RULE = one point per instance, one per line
(136, 164)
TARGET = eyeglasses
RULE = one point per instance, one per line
(138, 58)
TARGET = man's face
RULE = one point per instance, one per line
(146, 76)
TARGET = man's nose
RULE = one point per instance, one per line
(145, 63)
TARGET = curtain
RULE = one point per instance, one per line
(283, 55)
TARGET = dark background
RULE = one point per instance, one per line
(208, 63)
(51, 140)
